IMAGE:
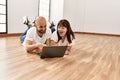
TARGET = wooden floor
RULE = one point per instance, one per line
(93, 57)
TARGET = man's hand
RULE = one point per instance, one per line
(39, 47)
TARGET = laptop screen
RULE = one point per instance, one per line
(53, 51)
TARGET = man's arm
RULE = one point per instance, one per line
(30, 47)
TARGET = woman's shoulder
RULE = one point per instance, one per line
(54, 36)
(55, 32)
(48, 31)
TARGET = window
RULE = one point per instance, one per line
(3, 22)
(44, 9)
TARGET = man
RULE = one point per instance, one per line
(37, 36)
(29, 25)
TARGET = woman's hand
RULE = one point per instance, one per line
(67, 52)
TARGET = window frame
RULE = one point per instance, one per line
(48, 10)
(5, 18)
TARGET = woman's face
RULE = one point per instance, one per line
(62, 30)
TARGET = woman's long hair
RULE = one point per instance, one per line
(69, 33)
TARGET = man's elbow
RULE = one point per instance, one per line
(27, 49)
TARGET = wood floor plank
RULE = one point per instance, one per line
(93, 57)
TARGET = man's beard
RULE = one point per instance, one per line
(41, 32)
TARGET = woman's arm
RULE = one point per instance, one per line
(47, 42)
(53, 43)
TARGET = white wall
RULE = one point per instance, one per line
(99, 16)
(16, 10)
(74, 12)
(56, 10)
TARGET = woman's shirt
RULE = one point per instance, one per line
(54, 37)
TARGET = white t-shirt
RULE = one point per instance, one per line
(54, 37)
(33, 36)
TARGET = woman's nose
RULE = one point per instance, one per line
(59, 29)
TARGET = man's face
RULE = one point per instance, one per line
(41, 27)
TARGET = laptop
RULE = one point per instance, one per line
(53, 51)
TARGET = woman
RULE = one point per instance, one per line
(64, 35)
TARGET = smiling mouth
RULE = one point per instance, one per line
(60, 32)
(41, 31)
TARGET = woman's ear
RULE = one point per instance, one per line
(35, 25)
